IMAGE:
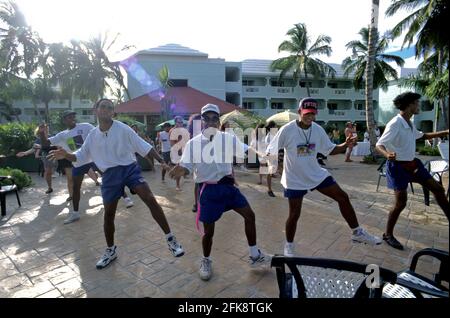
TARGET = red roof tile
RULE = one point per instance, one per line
(186, 100)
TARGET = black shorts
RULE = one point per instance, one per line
(64, 163)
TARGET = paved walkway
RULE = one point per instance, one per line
(42, 257)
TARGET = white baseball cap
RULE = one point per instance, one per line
(210, 108)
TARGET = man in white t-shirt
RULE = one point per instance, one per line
(209, 156)
(164, 142)
(301, 140)
(70, 140)
(398, 145)
(112, 147)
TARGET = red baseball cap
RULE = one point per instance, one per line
(307, 105)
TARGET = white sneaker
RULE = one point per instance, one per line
(205, 270)
(262, 260)
(108, 257)
(289, 250)
(175, 247)
(365, 237)
(73, 216)
(128, 202)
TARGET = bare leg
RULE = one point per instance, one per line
(91, 173)
(439, 194)
(250, 226)
(48, 172)
(143, 191)
(68, 172)
(401, 197)
(269, 182)
(347, 154)
(295, 207)
(207, 239)
(77, 181)
(336, 193)
(108, 222)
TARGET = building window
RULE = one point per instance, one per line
(276, 105)
(248, 105)
(332, 85)
(277, 83)
(178, 82)
(332, 106)
(248, 83)
(426, 106)
(86, 112)
(304, 84)
(360, 106)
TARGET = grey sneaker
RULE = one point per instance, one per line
(108, 257)
(175, 247)
(205, 270)
(365, 237)
(262, 260)
(73, 216)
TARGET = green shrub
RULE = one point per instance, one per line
(21, 178)
(429, 151)
(15, 137)
(372, 160)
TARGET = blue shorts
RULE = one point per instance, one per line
(82, 170)
(296, 194)
(116, 178)
(217, 199)
(400, 173)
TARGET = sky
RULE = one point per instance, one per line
(233, 29)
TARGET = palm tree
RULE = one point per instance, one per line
(357, 63)
(302, 61)
(369, 73)
(103, 70)
(429, 82)
(164, 79)
(20, 43)
(425, 23)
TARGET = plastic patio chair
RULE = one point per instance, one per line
(410, 284)
(327, 278)
(437, 168)
(6, 189)
(382, 173)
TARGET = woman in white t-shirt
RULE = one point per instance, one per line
(302, 139)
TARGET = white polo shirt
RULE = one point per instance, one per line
(301, 169)
(210, 161)
(400, 138)
(115, 147)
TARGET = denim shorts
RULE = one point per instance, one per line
(215, 199)
(400, 173)
(115, 179)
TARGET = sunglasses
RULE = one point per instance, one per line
(213, 119)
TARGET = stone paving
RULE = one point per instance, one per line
(42, 257)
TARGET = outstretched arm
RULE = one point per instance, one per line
(349, 141)
(438, 134)
(60, 153)
(153, 154)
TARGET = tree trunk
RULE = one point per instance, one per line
(307, 86)
(47, 115)
(373, 31)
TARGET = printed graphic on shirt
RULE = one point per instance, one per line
(75, 142)
(304, 150)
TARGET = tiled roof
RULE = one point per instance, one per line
(186, 100)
